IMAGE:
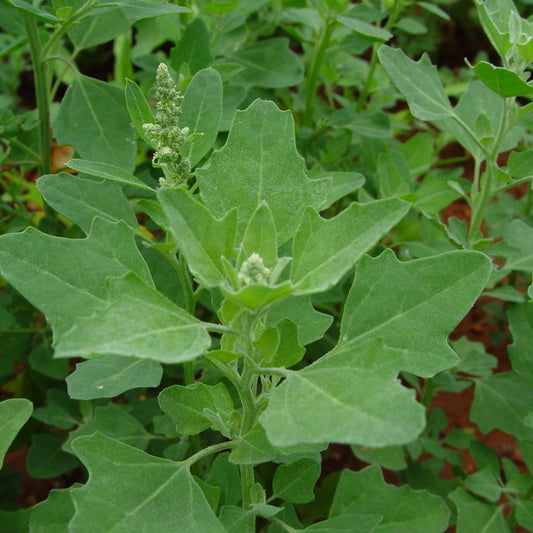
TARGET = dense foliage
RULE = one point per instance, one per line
(228, 245)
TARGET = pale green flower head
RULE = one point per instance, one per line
(166, 134)
(253, 271)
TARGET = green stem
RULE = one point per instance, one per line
(365, 91)
(486, 186)
(40, 73)
(209, 450)
(247, 481)
(316, 63)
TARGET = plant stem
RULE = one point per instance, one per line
(318, 56)
(210, 450)
(40, 73)
(482, 197)
(396, 9)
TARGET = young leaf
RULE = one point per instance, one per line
(502, 81)
(202, 112)
(108, 172)
(81, 200)
(93, 118)
(260, 163)
(295, 482)
(185, 405)
(138, 108)
(403, 509)
(65, 278)
(419, 83)
(203, 239)
(414, 305)
(324, 250)
(310, 323)
(192, 48)
(111, 375)
(14, 413)
(350, 397)
(260, 237)
(131, 491)
(137, 321)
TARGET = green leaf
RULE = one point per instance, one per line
(54, 514)
(138, 321)
(485, 484)
(403, 509)
(411, 26)
(138, 109)
(46, 269)
(93, 118)
(81, 200)
(130, 491)
(108, 172)
(365, 30)
(260, 237)
(419, 83)
(521, 326)
(502, 401)
(310, 323)
(14, 413)
(475, 515)
(139, 9)
(15, 521)
(192, 48)
(289, 351)
(203, 239)
(524, 514)
(111, 375)
(295, 482)
(502, 81)
(202, 113)
(255, 448)
(99, 27)
(60, 410)
(350, 397)
(46, 459)
(268, 63)
(393, 175)
(113, 421)
(258, 297)
(30, 9)
(186, 405)
(324, 250)
(342, 184)
(429, 296)
(520, 164)
(519, 237)
(260, 163)
(226, 476)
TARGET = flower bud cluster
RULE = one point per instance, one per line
(253, 271)
(165, 133)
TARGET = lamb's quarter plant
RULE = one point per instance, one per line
(251, 244)
(220, 296)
